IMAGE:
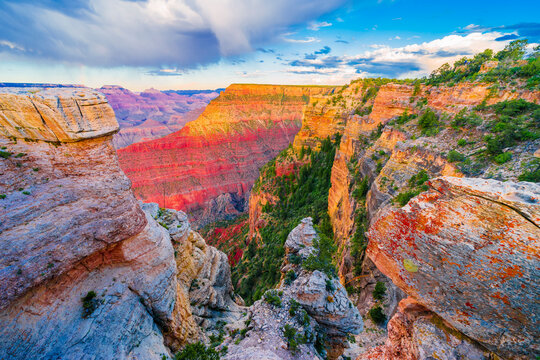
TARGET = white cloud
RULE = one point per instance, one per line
(408, 61)
(182, 33)
(315, 26)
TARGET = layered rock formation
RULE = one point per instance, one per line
(468, 250)
(208, 167)
(81, 259)
(152, 114)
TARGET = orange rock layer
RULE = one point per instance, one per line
(209, 167)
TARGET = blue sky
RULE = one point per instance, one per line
(193, 44)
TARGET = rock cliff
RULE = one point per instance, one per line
(86, 272)
(208, 168)
(81, 259)
(152, 114)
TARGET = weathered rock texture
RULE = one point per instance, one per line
(469, 251)
(70, 226)
(322, 306)
(152, 114)
(208, 168)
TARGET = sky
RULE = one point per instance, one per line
(208, 44)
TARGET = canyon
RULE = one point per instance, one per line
(207, 168)
(384, 219)
(152, 114)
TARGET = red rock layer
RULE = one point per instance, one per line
(219, 153)
(152, 114)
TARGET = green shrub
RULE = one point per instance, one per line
(90, 304)
(293, 307)
(462, 142)
(429, 123)
(455, 156)
(403, 198)
(5, 154)
(197, 351)
(502, 158)
(379, 291)
(272, 297)
(293, 338)
(377, 315)
(290, 276)
(2, 196)
(405, 117)
(466, 119)
(322, 258)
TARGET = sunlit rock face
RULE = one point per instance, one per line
(152, 114)
(468, 250)
(208, 168)
(84, 271)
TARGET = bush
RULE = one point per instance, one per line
(462, 142)
(377, 315)
(404, 118)
(379, 291)
(466, 119)
(322, 259)
(429, 123)
(90, 303)
(293, 338)
(272, 297)
(455, 156)
(403, 198)
(502, 158)
(293, 307)
(197, 351)
(290, 276)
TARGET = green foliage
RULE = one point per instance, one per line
(515, 121)
(5, 154)
(376, 133)
(272, 297)
(502, 158)
(90, 304)
(2, 196)
(293, 307)
(322, 259)
(290, 276)
(462, 142)
(380, 290)
(197, 351)
(362, 111)
(403, 198)
(377, 315)
(417, 184)
(429, 123)
(455, 156)
(532, 174)
(299, 195)
(513, 51)
(466, 119)
(293, 338)
(405, 118)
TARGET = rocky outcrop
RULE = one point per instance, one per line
(152, 114)
(309, 304)
(220, 153)
(417, 333)
(204, 275)
(468, 251)
(84, 272)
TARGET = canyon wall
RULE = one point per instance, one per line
(152, 114)
(209, 167)
(386, 156)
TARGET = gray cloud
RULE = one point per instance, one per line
(168, 33)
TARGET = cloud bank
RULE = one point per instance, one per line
(175, 33)
(399, 62)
